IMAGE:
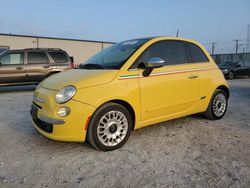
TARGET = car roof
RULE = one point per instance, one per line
(168, 38)
(36, 49)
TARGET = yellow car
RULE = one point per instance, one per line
(127, 86)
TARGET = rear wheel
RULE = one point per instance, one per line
(110, 127)
(217, 106)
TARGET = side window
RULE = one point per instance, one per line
(173, 52)
(15, 58)
(59, 57)
(196, 53)
(37, 58)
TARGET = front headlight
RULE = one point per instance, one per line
(65, 94)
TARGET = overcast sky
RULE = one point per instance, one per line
(114, 20)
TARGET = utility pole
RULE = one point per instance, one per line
(236, 45)
(213, 47)
(248, 39)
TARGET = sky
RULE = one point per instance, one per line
(207, 21)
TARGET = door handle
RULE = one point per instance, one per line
(19, 68)
(193, 76)
(46, 66)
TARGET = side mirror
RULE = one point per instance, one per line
(151, 64)
(155, 62)
(238, 66)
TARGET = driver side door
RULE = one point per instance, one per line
(172, 89)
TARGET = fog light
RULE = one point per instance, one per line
(63, 111)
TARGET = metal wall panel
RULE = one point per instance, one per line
(81, 51)
(18, 42)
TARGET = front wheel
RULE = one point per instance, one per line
(217, 106)
(230, 75)
(110, 127)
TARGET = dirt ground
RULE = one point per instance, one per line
(187, 152)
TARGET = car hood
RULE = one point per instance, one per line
(79, 78)
(225, 67)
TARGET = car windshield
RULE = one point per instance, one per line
(227, 63)
(114, 56)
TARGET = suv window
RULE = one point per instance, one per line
(59, 57)
(196, 53)
(37, 58)
(173, 52)
(14, 58)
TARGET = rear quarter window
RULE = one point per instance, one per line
(59, 57)
(196, 53)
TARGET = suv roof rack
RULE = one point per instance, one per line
(42, 49)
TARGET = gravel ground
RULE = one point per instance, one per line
(187, 152)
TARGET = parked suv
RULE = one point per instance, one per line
(30, 66)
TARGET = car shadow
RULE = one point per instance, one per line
(6, 89)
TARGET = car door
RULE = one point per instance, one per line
(171, 89)
(37, 66)
(239, 69)
(247, 68)
(12, 68)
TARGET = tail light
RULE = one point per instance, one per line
(72, 62)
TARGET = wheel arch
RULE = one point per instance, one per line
(224, 88)
(128, 107)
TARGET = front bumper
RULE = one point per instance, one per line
(49, 124)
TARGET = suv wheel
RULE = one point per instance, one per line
(217, 106)
(110, 127)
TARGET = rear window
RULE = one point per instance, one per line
(197, 54)
(59, 57)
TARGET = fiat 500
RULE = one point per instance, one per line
(127, 86)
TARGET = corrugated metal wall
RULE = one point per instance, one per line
(81, 50)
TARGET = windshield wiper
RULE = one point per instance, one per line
(90, 66)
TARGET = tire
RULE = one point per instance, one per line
(109, 127)
(217, 106)
(231, 75)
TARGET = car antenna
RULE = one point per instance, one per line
(177, 33)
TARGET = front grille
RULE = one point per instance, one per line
(47, 127)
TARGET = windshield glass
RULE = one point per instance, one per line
(227, 63)
(114, 56)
